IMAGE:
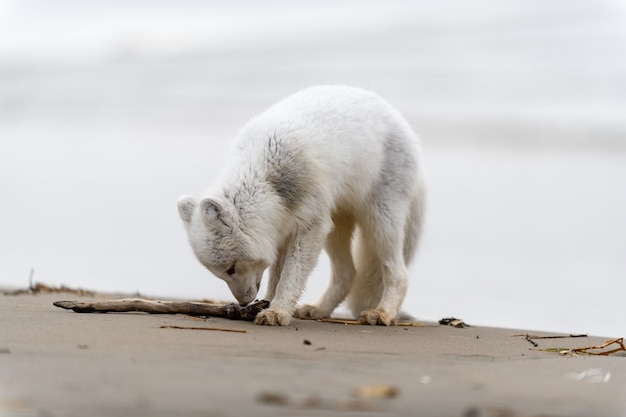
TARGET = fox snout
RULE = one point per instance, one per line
(245, 296)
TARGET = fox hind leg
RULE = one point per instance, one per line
(382, 278)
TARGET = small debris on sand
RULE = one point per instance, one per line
(39, 288)
(454, 322)
(377, 391)
(272, 398)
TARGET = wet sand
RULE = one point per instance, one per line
(59, 363)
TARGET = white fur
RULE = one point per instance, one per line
(330, 167)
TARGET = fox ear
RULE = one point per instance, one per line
(186, 205)
(216, 211)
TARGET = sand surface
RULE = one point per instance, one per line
(59, 363)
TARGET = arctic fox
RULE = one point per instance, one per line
(317, 169)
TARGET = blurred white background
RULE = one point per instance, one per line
(110, 110)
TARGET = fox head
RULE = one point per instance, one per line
(213, 228)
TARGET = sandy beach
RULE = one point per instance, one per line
(122, 107)
(60, 363)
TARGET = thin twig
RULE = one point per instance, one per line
(30, 279)
(217, 329)
(532, 342)
(588, 350)
(526, 335)
(356, 322)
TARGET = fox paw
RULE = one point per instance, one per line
(308, 311)
(375, 317)
(271, 317)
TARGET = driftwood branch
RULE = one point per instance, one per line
(124, 305)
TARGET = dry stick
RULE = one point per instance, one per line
(587, 350)
(529, 336)
(531, 341)
(228, 311)
(356, 322)
(219, 329)
(30, 279)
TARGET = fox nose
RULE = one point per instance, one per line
(244, 301)
(244, 297)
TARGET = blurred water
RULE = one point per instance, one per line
(110, 111)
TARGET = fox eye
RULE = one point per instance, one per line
(231, 270)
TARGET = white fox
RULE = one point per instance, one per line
(317, 168)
